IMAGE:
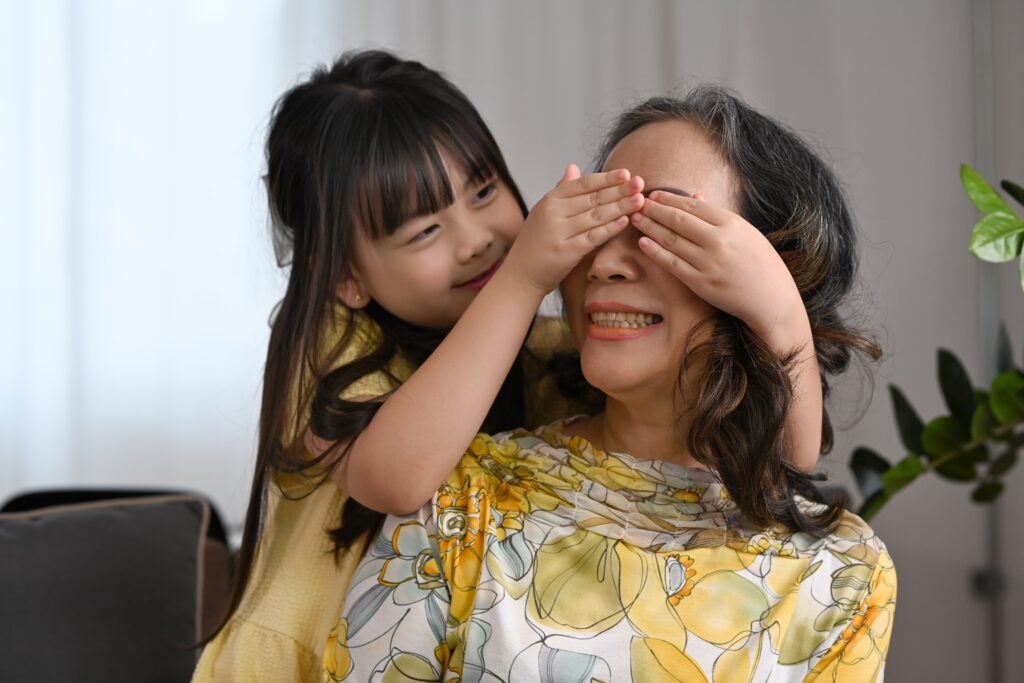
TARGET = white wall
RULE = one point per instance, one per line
(886, 89)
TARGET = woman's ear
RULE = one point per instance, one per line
(352, 291)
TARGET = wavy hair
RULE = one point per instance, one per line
(738, 401)
(357, 148)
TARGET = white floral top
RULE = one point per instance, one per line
(544, 559)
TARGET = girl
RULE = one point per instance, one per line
(665, 538)
(393, 207)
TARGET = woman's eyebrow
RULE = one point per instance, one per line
(673, 190)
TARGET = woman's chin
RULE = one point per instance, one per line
(616, 380)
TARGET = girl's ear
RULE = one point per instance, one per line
(352, 291)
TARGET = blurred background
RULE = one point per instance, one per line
(137, 277)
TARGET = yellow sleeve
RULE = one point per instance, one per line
(296, 590)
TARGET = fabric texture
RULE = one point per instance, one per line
(544, 559)
(297, 588)
(101, 591)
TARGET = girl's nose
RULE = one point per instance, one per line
(475, 241)
(617, 259)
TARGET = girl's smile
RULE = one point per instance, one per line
(478, 281)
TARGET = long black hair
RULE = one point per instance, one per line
(355, 147)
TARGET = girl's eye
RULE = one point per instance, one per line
(425, 233)
(486, 192)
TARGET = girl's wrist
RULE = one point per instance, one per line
(787, 330)
(513, 283)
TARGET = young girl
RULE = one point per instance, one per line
(395, 209)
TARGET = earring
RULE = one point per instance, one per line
(358, 298)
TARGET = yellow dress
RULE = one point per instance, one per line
(297, 588)
(544, 559)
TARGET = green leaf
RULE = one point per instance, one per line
(960, 467)
(942, 435)
(987, 492)
(907, 420)
(868, 468)
(981, 193)
(1003, 464)
(1007, 397)
(1020, 271)
(870, 507)
(902, 473)
(810, 570)
(1014, 190)
(997, 237)
(956, 386)
(1004, 356)
(981, 421)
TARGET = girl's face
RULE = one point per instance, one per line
(429, 270)
(619, 280)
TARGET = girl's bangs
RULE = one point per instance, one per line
(404, 175)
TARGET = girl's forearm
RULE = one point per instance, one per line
(417, 437)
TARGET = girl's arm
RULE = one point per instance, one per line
(416, 438)
(727, 262)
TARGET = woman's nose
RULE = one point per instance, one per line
(475, 240)
(617, 259)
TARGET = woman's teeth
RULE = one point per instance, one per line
(630, 320)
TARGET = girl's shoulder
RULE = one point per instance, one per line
(353, 335)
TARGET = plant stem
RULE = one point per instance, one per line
(1002, 430)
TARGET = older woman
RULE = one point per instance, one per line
(665, 538)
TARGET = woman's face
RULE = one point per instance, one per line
(629, 318)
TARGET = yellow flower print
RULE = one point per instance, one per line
(692, 494)
(859, 652)
(678, 577)
(462, 544)
(764, 544)
(413, 571)
(337, 660)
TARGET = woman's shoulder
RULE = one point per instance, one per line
(852, 540)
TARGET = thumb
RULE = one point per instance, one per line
(572, 172)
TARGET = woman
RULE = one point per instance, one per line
(665, 538)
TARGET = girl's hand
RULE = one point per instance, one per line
(724, 259)
(570, 221)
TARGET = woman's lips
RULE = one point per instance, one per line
(478, 282)
(614, 321)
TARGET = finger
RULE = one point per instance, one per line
(673, 263)
(695, 205)
(605, 213)
(572, 172)
(592, 182)
(678, 221)
(574, 206)
(669, 240)
(588, 240)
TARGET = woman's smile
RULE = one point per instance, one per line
(614, 321)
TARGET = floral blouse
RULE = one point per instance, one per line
(542, 558)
